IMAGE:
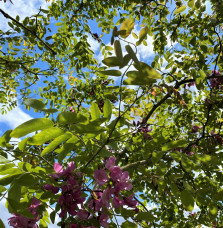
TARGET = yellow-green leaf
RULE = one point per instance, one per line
(191, 3)
(95, 111)
(127, 27)
(56, 142)
(45, 136)
(70, 117)
(180, 10)
(107, 109)
(31, 126)
(147, 71)
(142, 35)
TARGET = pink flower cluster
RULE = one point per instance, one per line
(71, 109)
(120, 181)
(19, 221)
(195, 128)
(217, 137)
(216, 83)
(113, 180)
(70, 190)
(144, 128)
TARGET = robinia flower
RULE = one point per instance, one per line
(19, 221)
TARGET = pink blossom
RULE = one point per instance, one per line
(116, 202)
(195, 128)
(103, 220)
(106, 196)
(73, 226)
(51, 188)
(19, 221)
(110, 163)
(83, 214)
(129, 201)
(100, 176)
(116, 173)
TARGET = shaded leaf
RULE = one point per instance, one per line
(118, 51)
(132, 54)
(111, 72)
(187, 200)
(34, 103)
(111, 61)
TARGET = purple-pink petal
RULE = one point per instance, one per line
(116, 173)
(100, 176)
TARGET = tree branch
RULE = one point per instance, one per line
(27, 29)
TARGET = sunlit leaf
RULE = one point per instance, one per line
(31, 126)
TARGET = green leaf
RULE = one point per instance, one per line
(67, 148)
(111, 72)
(88, 128)
(174, 144)
(45, 136)
(23, 144)
(137, 78)
(180, 10)
(111, 61)
(147, 71)
(187, 200)
(127, 27)
(126, 60)
(58, 24)
(25, 179)
(134, 35)
(142, 35)
(2, 189)
(9, 178)
(190, 3)
(70, 118)
(31, 126)
(95, 111)
(1, 224)
(132, 54)
(56, 142)
(50, 110)
(128, 224)
(5, 138)
(107, 109)
(118, 50)
(145, 216)
(3, 160)
(156, 156)
(52, 216)
(34, 103)
(4, 169)
(14, 192)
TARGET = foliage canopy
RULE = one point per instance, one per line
(128, 133)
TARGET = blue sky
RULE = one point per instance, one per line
(19, 115)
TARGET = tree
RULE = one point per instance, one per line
(109, 148)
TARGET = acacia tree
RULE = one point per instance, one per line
(106, 151)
